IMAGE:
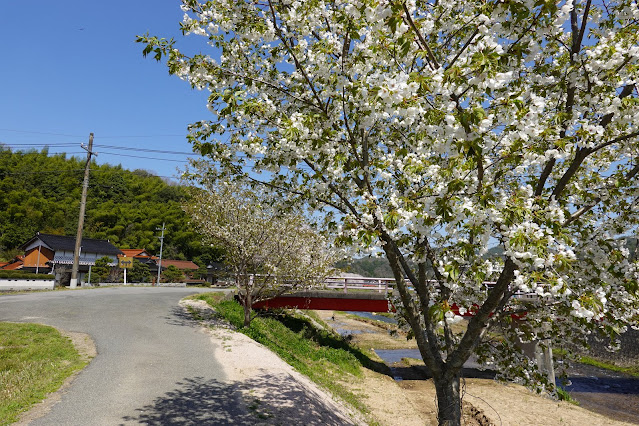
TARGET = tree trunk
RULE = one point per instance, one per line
(248, 304)
(448, 400)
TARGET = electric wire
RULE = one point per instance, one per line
(84, 136)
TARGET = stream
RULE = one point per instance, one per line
(606, 392)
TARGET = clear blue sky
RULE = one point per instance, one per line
(71, 67)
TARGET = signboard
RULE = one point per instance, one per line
(125, 262)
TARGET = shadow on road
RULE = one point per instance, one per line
(266, 399)
(287, 401)
(182, 317)
(195, 402)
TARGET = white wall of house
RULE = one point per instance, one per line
(21, 284)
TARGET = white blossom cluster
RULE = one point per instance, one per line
(440, 130)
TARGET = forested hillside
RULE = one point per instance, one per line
(41, 192)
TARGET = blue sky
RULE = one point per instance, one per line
(71, 67)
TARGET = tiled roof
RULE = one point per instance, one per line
(10, 266)
(180, 264)
(89, 245)
(135, 252)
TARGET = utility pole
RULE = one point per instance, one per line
(161, 246)
(83, 203)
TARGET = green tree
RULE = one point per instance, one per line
(101, 271)
(139, 272)
(172, 275)
(269, 251)
(41, 192)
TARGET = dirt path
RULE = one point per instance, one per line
(271, 389)
(412, 402)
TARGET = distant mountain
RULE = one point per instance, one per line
(368, 267)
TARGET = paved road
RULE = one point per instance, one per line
(154, 365)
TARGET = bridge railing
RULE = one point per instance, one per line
(384, 285)
(381, 285)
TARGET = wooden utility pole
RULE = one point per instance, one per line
(83, 204)
(161, 246)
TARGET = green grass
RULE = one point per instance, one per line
(34, 361)
(563, 395)
(632, 370)
(321, 355)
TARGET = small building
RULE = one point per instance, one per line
(136, 253)
(185, 266)
(143, 256)
(53, 254)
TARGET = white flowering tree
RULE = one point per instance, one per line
(433, 131)
(270, 252)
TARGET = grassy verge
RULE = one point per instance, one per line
(632, 370)
(563, 395)
(34, 361)
(326, 358)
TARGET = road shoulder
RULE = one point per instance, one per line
(271, 388)
(85, 346)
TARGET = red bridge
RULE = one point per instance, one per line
(340, 294)
(355, 294)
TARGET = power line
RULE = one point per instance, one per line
(126, 148)
(142, 136)
(101, 151)
(146, 158)
(39, 144)
(41, 133)
(100, 148)
(100, 137)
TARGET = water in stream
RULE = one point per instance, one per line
(374, 316)
(613, 394)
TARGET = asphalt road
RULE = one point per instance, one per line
(154, 364)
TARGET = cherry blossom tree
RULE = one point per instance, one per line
(434, 131)
(269, 251)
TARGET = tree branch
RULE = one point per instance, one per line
(614, 141)
(576, 215)
(477, 324)
(432, 60)
(464, 47)
(298, 66)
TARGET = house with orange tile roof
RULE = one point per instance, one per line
(53, 254)
(182, 265)
(186, 266)
(137, 253)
